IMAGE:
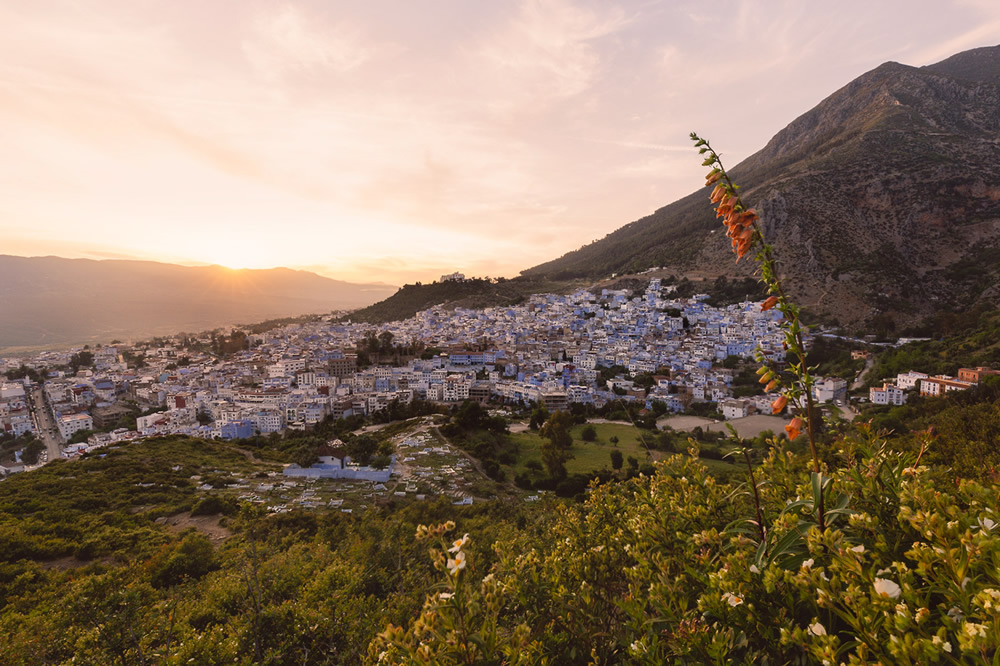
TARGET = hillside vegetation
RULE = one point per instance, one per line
(667, 566)
(974, 341)
(474, 293)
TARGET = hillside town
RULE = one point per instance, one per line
(553, 350)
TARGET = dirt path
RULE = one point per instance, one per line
(860, 381)
(507, 483)
(207, 525)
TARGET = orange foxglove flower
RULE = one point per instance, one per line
(794, 429)
(769, 303)
(771, 385)
(742, 249)
(779, 404)
(712, 177)
(718, 193)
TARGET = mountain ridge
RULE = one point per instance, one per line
(880, 200)
(53, 300)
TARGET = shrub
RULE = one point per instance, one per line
(214, 504)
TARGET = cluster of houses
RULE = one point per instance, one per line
(553, 350)
(895, 393)
(15, 417)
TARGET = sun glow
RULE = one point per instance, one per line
(239, 258)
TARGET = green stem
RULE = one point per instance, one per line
(756, 501)
(769, 274)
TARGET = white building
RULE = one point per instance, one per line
(935, 386)
(889, 394)
(907, 380)
(735, 409)
(830, 389)
(72, 423)
(456, 389)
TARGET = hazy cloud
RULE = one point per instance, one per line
(285, 38)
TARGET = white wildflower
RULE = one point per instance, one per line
(732, 599)
(945, 645)
(887, 588)
(457, 564)
(459, 544)
(972, 629)
(817, 629)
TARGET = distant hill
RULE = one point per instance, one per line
(883, 201)
(471, 293)
(50, 300)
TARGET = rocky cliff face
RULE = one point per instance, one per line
(883, 201)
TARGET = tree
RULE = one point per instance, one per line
(555, 460)
(362, 448)
(538, 417)
(31, 451)
(385, 342)
(617, 459)
(589, 434)
(556, 443)
(556, 430)
(81, 360)
(81, 436)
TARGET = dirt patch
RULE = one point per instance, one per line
(684, 422)
(749, 426)
(207, 525)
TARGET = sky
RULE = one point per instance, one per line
(397, 141)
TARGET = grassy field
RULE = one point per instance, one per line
(591, 456)
(596, 455)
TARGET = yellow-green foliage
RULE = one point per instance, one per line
(660, 570)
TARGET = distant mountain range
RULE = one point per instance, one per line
(50, 300)
(883, 201)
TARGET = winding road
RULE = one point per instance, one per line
(860, 381)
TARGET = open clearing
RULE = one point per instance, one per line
(749, 426)
(593, 456)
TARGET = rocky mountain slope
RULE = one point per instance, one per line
(883, 201)
(50, 300)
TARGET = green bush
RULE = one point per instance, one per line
(214, 504)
